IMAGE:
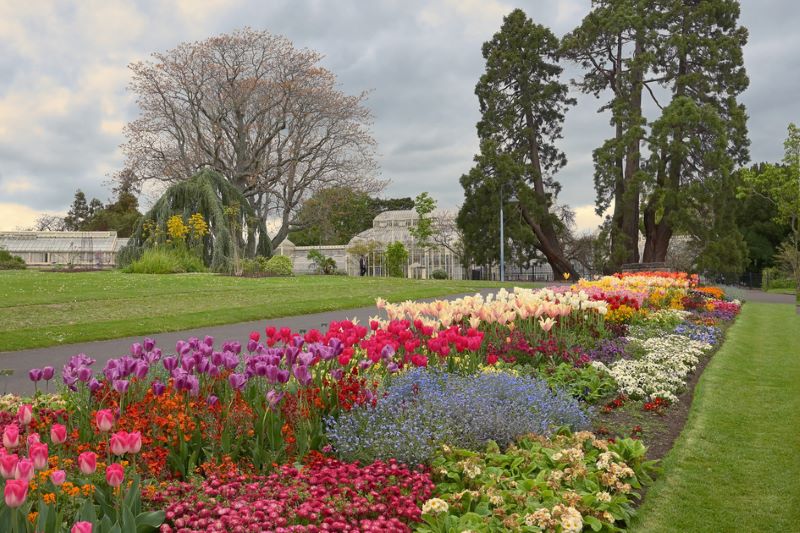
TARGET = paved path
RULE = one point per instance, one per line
(22, 361)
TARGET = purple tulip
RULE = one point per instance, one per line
(149, 344)
(392, 367)
(251, 346)
(141, 370)
(274, 398)
(84, 374)
(237, 381)
(337, 374)
(194, 343)
(283, 376)
(193, 385)
(387, 352)
(35, 374)
(337, 346)
(158, 388)
(216, 358)
(94, 385)
(213, 371)
(153, 355)
(304, 358)
(302, 374)
(231, 361)
(179, 346)
(297, 341)
(136, 350)
(170, 363)
(212, 400)
(48, 372)
(120, 385)
(365, 364)
(208, 340)
(260, 368)
(272, 373)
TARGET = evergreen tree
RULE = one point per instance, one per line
(701, 134)
(522, 104)
(78, 212)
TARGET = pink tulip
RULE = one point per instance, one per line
(38, 454)
(15, 492)
(11, 436)
(105, 420)
(81, 527)
(24, 470)
(25, 414)
(87, 462)
(8, 465)
(546, 324)
(134, 442)
(115, 474)
(58, 434)
(33, 438)
(119, 443)
(58, 477)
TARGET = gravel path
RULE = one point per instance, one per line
(21, 361)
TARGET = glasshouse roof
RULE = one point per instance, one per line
(59, 241)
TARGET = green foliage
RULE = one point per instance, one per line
(224, 208)
(439, 274)
(518, 488)
(336, 214)
(396, 257)
(279, 265)
(166, 261)
(522, 103)
(10, 262)
(423, 231)
(586, 383)
(322, 264)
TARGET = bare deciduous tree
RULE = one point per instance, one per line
(249, 105)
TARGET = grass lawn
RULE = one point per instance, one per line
(782, 291)
(47, 308)
(735, 467)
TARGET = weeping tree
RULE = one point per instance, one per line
(228, 214)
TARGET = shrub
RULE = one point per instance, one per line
(423, 409)
(322, 264)
(164, 261)
(10, 262)
(396, 256)
(250, 266)
(439, 274)
(277, 265)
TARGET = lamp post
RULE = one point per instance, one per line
(502, 241)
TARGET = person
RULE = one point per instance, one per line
(362, 265)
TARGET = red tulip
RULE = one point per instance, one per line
(134, 442)
(254, 336)
(105, 420)
(8, 465)
(58, 477)
(25, 414)
(58, 434)
(119, 443)
(81, 527)
(38, 454)
(24, 470)
(87, 462)
(15, 492)
(11, 436)
(115, 474)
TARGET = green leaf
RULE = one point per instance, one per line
(593, 522)
(148, 521)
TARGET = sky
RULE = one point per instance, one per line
(64, 73)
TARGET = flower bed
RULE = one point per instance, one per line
(465, 414)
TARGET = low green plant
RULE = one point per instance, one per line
(587, 383)
(166, 261)
(10, 262)
(278, 265)
(396, 256)
(322, 264)
(561, 484)
(439, 274)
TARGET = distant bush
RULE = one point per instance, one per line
(321, 264)
(166, 261)
(10, 262)
(439, 274)
(278, 265)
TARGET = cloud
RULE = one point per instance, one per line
(17, 216)
(63, 78)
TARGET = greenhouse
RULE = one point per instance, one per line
(77, 248)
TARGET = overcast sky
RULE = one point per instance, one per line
(63, 78)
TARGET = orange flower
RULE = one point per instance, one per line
(49, 498)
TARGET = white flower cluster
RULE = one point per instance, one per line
(663, 369)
